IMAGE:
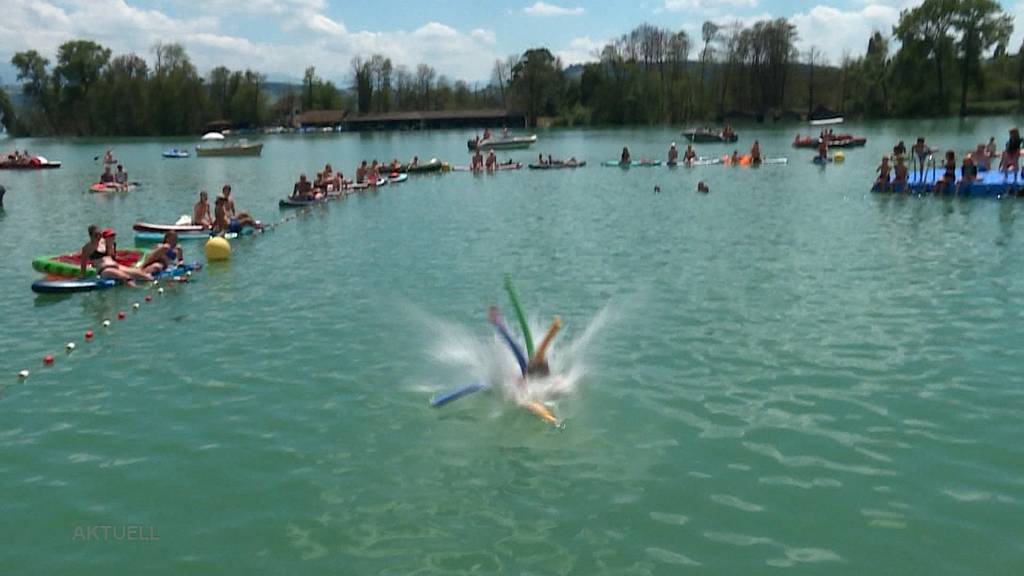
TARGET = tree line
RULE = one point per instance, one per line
(951, 55)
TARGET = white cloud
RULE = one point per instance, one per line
(834, 31)
(321, 23)
(484, 36)
(545, 9)
(311, 37)
(580, 50)
(705, 5)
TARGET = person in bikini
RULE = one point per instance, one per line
(99, 251)
(899, 177)
(689, 155)
(164, 256)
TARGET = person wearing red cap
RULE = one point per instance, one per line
(99, 251)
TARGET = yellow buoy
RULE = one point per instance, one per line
(217, 249)
(838, 157)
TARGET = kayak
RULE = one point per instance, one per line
(100, 187)
(176, 153)
(633, 164)
(67, 265)
(557, 165)
(157, 237)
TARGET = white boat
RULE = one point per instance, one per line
(240, 148)
(502, 142)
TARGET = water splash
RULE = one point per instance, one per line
(481, 357)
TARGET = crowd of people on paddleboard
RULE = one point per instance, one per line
(893, 174)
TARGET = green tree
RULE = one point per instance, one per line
(981, 24)
(79, 65)
(7, 116)
(35, 87)
(121, 96)
(925, 34)
(537, 81)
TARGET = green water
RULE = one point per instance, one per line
(788, 374)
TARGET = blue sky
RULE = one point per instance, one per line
(460, 38)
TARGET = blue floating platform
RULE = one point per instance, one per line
(992, 183)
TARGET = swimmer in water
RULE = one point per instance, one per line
(702, 187)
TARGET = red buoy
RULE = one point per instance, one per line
(120, 315)
(149, 298)
(88, 334)
(47, 360)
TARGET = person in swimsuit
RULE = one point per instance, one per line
(755, 153)
(235, 220)
(735, 158)
(921, 154)
(702, 187)
(673, 155)
(107, 177)
(1011, 156)
(899, 150)
(492, 161)
(822, 149)
(882, 181)
(948, 179)
(164, 256)
(108, 157)
(689, 155)
(624, 158)
(99, 251)
(415, 162)
(302, 189)
(121, 177)
(477, 163)
(968, 174)
(201, 211)
(899, 177)
(361, 173)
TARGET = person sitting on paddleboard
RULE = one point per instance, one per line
(673, 154)
(201, 211)
(107, 177)
(99, 251)
(624, 159)
(302, 190)
(372, 174)
(755, 153)
(361, 173)
(165, 255)
(121, 177)
(689, 155)
(968, 173)
(949, 173)
(243, 218)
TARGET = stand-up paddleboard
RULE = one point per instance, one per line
(633, 164)
(398, 178)
(455, 394)
(59, 285)
(157, 237)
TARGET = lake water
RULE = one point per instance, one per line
(789, 374)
